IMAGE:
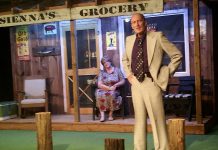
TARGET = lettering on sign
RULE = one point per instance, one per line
(113, 10)
(147, 6)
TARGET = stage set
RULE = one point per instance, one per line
(67, 123)
(62, 48)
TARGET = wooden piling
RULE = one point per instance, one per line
(114, 144)
(176, 134)
(44, 131)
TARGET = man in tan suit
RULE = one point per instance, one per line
(147, 87)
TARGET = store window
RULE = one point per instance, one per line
(174, 24)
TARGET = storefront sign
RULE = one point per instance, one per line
(147, 6)
(117, 9)
(35, 17)
(22, 43)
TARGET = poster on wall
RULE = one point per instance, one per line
(111, 40)
(22, 43)
(50, 29)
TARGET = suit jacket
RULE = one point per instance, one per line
(157, 44)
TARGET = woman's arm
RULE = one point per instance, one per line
(102, 86)
(100, 83)
(118, 84)
(121, 78)
(112, 88)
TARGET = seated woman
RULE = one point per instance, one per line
(107, 95)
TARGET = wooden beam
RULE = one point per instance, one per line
(75, 73)
(114, 144)
(16, 10)
(44, 131)
(14, 7)
(176, 134)
(40, 6)
(43, 4)
(197, 61)
(14, 3)
(68, 3)
(98, 2)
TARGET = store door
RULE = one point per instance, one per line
(88, 64)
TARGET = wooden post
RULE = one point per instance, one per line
(75, 73)
(176, 134)
(44, 132)
(197, 61)
(114, 144)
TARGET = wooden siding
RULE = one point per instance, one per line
(46, 65)
(50, 66)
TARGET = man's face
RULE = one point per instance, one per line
(138, 24)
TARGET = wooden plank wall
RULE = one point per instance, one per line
(206, 50)
(46, 65)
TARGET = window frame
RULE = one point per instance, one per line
(184, 12)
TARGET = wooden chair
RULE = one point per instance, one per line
(119, 112)
(34, 94)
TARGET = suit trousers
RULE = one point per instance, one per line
(147, 99)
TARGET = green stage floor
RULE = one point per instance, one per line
(67, 140)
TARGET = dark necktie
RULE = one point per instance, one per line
(140, 62)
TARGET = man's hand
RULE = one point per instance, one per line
(130, 78)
